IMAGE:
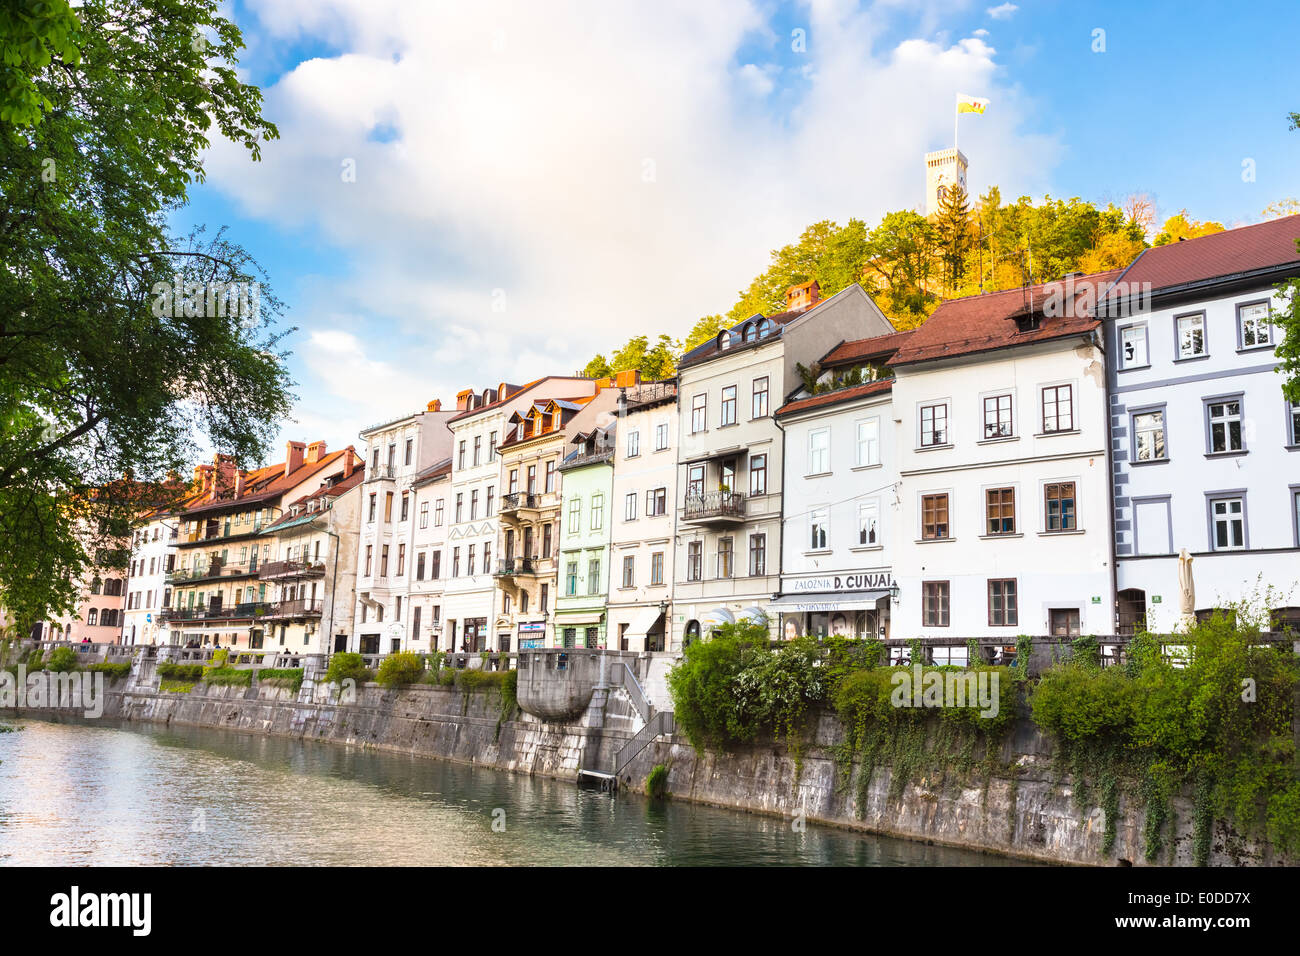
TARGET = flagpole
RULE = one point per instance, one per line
(956, 115)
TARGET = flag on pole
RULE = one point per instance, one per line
(971, 104)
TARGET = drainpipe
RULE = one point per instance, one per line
(1099, 343)
(780, 549)
(334, 584)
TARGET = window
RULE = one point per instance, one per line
(758, 407)
(1190, 330)
(1000, 505)
(473, 504)
(698, 409)
(410, 447)
(1228, 523)
(868, 523)
(1149, 436)
(597, 512)
(388, 508)
(478, 449)
(1252, 321)
(934, 425)
(819, 451)
(514, 481)
(661, 436)
(455, 562)
(575, 515)
(383, 562)
(1225, 426)
(633, 443)
(869, 442)
(492, 446)
(419, 566)
(571, 578)
(532, 480)
(487, 558)
(1003, 611)
(695, 481)
(371, 512)
(593, 576)
(729, 405)
(758, 475)
(543, 598)
(370, 554)
(1293, 419)
(460, 506)
(934, 517)
(437, 513)
(424, 514)
(546, 540)
(657, 567)
(460, 456)
(818, 520)
(406, 504)
(401, 560)
(656, 502)
(694, 560)
(724, 557)
(1133, 346)
(997, 417)
(491, 492)
(934, 604)
(1058, 408)
(437, 565)
(757, 555)
(629, 506)
(1063, 622)
(1058, 506)
(629, 571)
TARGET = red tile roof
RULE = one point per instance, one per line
(271, 482)
(980, 323)
(834, 398)
(1220, 255)
(878, 346)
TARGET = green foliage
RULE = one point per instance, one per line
(403, 667)
(656, 782)
(473, 679)
(227, 677)
(290, 677)
(346, 665)
(181, 672)
(112, 670)
(177, 686)
(706, 704)
(1287, 319)
(62, 660)
(112, 111)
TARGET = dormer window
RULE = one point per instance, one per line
(1029, 322)
(763, 328)
(724, 341)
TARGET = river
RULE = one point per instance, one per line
(99, 793)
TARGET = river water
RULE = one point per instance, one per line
(104, 794)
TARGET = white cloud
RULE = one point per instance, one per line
(595, 172)
(1002, 11)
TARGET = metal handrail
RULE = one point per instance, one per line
(662, 723)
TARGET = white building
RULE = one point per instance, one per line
(1206, 449)
(396, 451)
(153, 550)
(471, 601)
(840, 496)
(644, 518)
(730, 452)
(1004, 521)
(428, 565)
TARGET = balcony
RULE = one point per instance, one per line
(292, 569)
(299, 607)
(599, 454)
(520, 501)
(213, 569)
(715, 507)
(233, 612)
(513, 566)
(381, 473)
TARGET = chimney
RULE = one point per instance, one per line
(800, 297)
(349, 456)
(224, 473)
(292, 456)
(241, 477)
(435, 405)
(463, 399)
(203, 475)
(627, 378)
(315, 452)
(622, 403)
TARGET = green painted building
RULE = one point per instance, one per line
(585, 519)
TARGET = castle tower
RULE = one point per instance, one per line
(943, 168)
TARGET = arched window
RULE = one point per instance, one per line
(724, 340)
(750, 332)
(92, 616)
(692, 633)
(763, 328)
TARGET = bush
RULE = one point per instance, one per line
(112, 670)
(290, 677)
(347, 666)
(702, 685)
(62, 660)
(1078, 702)
(656, 782)
(404, 667)
(170, 670)
(227, 677)
(473, 679)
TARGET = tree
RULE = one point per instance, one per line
(704, 329)
(117, 346)
(33, 33)
(1178, 227)
(1288, 319)
(1283, 207)
(952, 226)
(900, 256)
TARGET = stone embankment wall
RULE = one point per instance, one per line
(1029, 813)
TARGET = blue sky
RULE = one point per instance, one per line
(536, 182)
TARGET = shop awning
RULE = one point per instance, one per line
(826, 601)
(717, 617)
(644, 622)
(579, 617)
(755, 614)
